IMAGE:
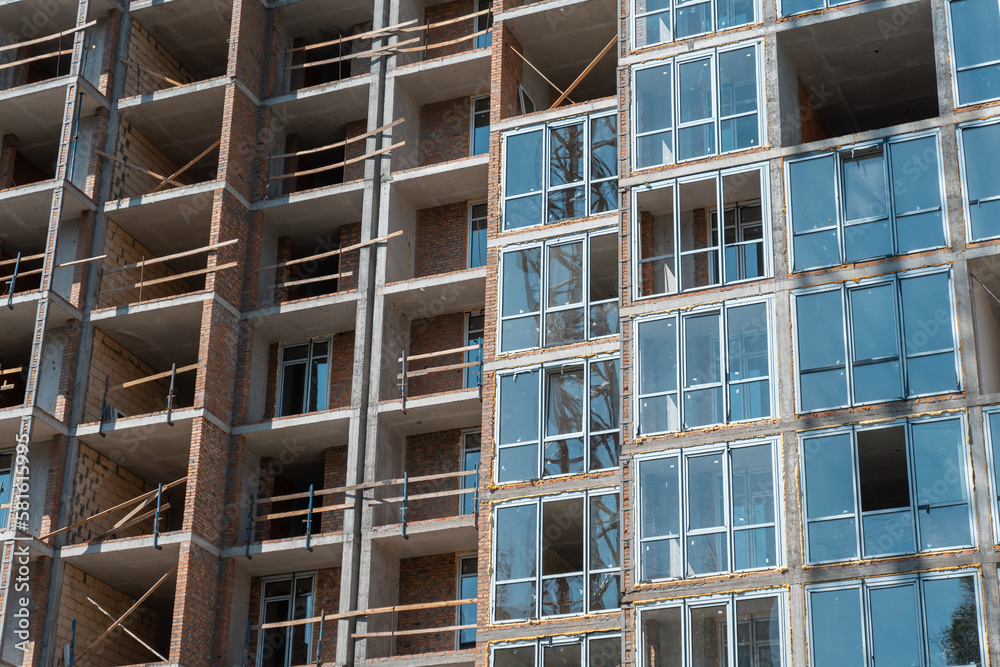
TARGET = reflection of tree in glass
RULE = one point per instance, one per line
(565, 416)
(565, 167)
(604, 393)
(960, 641)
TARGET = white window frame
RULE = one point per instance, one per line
(538, 645)
(544, 371)
(865, 585)
(544, 249)
(852, 431)
(841, 224)
(672, 12)
(292, 579)
(991, 462)
(467, 357)
(682, 454)
(676, 183)
(679, 316)
(586, 182)
(279, 393)
(674, 64)
(729, 600)
(953, 65)
(848, 335)
(472, 123)
(966, 205)
(473, 556)
(471, 250)
(474, 478)
(539, 578)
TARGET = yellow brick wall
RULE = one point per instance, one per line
(146, 55)
(137, 150)
(122, 249)
(111, 359)
(100, 484)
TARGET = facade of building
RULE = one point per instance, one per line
(499, 333)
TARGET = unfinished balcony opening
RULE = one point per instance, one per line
(298, 494)
(287, 618)
(432, 29)
(304, 265)
(560, 55)
(15, 355)
(984, 276)
(444, 240)
(322, 42)
(142, 368)
(312, 155)
(186, 38)
(97, 592)
(857, 73)
(147, 258)
(443, 354)
(28, 157)
(426, 606)
(150, 67)
(37, 59)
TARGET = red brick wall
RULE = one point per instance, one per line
(430, 335)
(334, 475)
(450, 32)
(145, 55)
(135, 149)
(431, 454)
(349, 235)
(442, 239)
(361, 66)
(506, 72)
(444, 131)
(109, 359)
(356, 170)
(427, 579)
(100, 484)
(123, 249)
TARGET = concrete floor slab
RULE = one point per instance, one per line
(429, 414)
(307, 434)
(311, 112)
(444, 183)
(140, 328)
(283, 556)
(132, 566)
(461, 75)
(306, 318)
(146, 445)
(314, 213)
(441, 294)
(427, 538)
(167, 221)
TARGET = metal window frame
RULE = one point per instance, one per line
(467, 355)
(279, 393)
(673, 64)
(826, 5)
(762, 168)
(721, 307)
(484, 22)
(682, 454)
(841, 224)
(895, 279)
(952, 60)
(963, 173)
(729, 600)
(459, 559)
(546, 186)
(917, 580)
(292, 579)
(543, 290)
(852, 431)
(992, 460)
(538, 645)
(472, 121)
(470, 246)
(544, 371)
(538, 502)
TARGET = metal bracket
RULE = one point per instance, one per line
(403, 508)
(480, 370)
(156, 517)
(402, 383)
(170, 395)
(104, 407)
(309, 521)
(13, 281)
(319, 639)
(250, 523)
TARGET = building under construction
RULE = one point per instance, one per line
(500, 333)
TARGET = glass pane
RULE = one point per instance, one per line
(520, 333)
(702, 356)
(604, 395)
(754, 549)
(603, 197)
(917, 232)
(273, 642)
(523, 212)
(895, 638)
(749, 400)
(975, 85)
(564, 402)
(814, 203)
(652, 29)
(516, 542)
(562, 595)
(695, 89)
(565, 326)
(738, 81)
(519, 656)
(931, 374)
(816, 249)
(706, 491)
(661, 559)
(694, 19)
(915, 179)
(603, 148)
(659, 496)
(789, 7)
(829, 475)
(740, 132)
(871, 239)
(521, 281)
(606, 652)
(658, 414)
(565, 274)
(523, 163)
(700, 269)
(819, 320)
(981, 145)
(515, 601)
(662, 637)
(657, 355)
(319, 384)
(562, 536)
(761, 646)
(974, 25)
(707, 554)
(927, 327)
(709, 637)
(747, 340)
(951, 609)
(984, 219)
(703, 407)
(696, 141)
(832, 540)
(888, 533)
(481, 127)
(865, 193)
(943, 527)
(563, 457)
(561, 655)
(477, 241)
(603, 267)
(567, 203)
(836, 628)
(519, 407)
(732, 13)
(824, 389)
(752, 485)
(873, 323)
(293, 389)
(604, 531)
(605, 592)
(604, 451)
(654, 149)
(939, 454)
(653, 100)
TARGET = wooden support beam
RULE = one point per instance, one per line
(129, 524)
(35, 272)
(434, 494)
(332, 276)
(117, 507)
(179, 276)
(417, 631)
(129, 632)
(80, 261)
(538, 72)
(186, 167)
(39, 40)
(438, 45)
(315, 510)
(331, 253)
(151, 378)
(25, 61)
(127, 613)
(440, 24)
(437, 369)
(585, 72)
(363, 54)
(367, 612)
(132, 166)
(330, 167)
(23, 259)
(9, 371)
(388, 30)
(177, 255)
(428, 355)
(340, 144)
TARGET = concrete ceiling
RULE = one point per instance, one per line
(167, 222)
(456, 535)
(320, 20)
(312, 318)
(439, 294)
(163, 452)
(865, 78)
(437, 185)
(195, 32)
(24, 215)
(435, 413)
(143, 333)
(442, 79)
(310, 434)
(561, 38)
(316, 213)
(316, 113)
(132, 569)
